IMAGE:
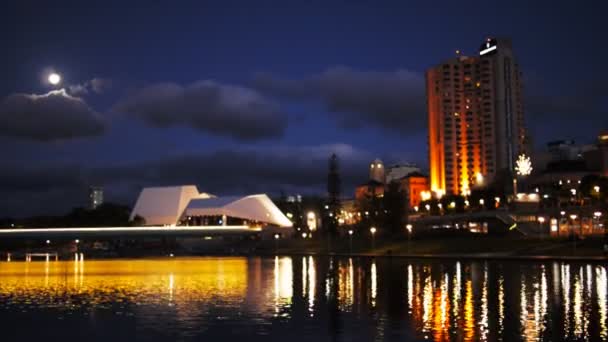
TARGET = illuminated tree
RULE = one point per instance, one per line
(523, 166)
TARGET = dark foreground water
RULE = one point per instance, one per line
(302, 299)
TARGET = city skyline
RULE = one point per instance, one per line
(258, 99)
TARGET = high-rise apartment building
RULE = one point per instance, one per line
(476, 123)
(95, 197)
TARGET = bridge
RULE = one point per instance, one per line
(125, 232)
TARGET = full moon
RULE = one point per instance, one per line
(54, 79)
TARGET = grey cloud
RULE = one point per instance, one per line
(96, 85)
(207, 106)
(52, 116)
(393, 100)
(54, 189)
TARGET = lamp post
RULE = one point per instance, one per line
(276, 242)
(350, 241)
(541, 220)
(573, 218)
(409, 227)
(373, 231)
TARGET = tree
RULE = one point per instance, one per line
(330, 218)
(395, 207)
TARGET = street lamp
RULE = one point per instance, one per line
(276, 242)
(373, 231)
(541, 220)
(350, 240)
(409, 227)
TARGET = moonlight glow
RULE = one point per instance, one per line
(523, 165)
(54, 79)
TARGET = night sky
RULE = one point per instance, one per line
(240, 97)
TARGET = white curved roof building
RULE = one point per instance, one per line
(167, 205)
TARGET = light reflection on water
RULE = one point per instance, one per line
(306, 297)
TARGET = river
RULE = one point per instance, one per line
(302, 298)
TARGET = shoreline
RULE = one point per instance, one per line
(451, 256)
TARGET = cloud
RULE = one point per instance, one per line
(218, 109)
(580, 108)
(231, 171)
(393, 100)
(96, 85)
(55, 188)
(52, 116)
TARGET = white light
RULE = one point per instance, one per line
(428, 207)
(573, 217)
(409, 228)
(597, 214)
(350, 232)
(523, 166)
(479, 178)
(373, 230)
(481, 201)
(77, 241)
(304, 235)
(562, 213)
(596, 189)
(485, 51)
(541, 219)
(276, 236)
(54, 79)
(48, 241)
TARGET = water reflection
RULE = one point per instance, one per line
(364, 299)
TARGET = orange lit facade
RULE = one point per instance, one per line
(475, 118)
(413, 185)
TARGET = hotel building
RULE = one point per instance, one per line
(475, 117)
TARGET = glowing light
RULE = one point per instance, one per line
(409, 228)
(276, 236)
(372, 230)
(425, 195)
(34, 231)
(452, 205)
(523, 166)
(428, 207)
(596, 189)
(541, 219)
(311, 220)
(573, 217)
(487, 50)
(350, 232)
(54, 79)
(597, 214)
(479, 178)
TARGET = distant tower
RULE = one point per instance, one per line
(376, 171)
(95, 197)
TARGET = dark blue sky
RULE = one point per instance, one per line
(248, 96)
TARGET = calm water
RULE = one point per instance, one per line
(302, 299)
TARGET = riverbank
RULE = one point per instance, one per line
(507, 247)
